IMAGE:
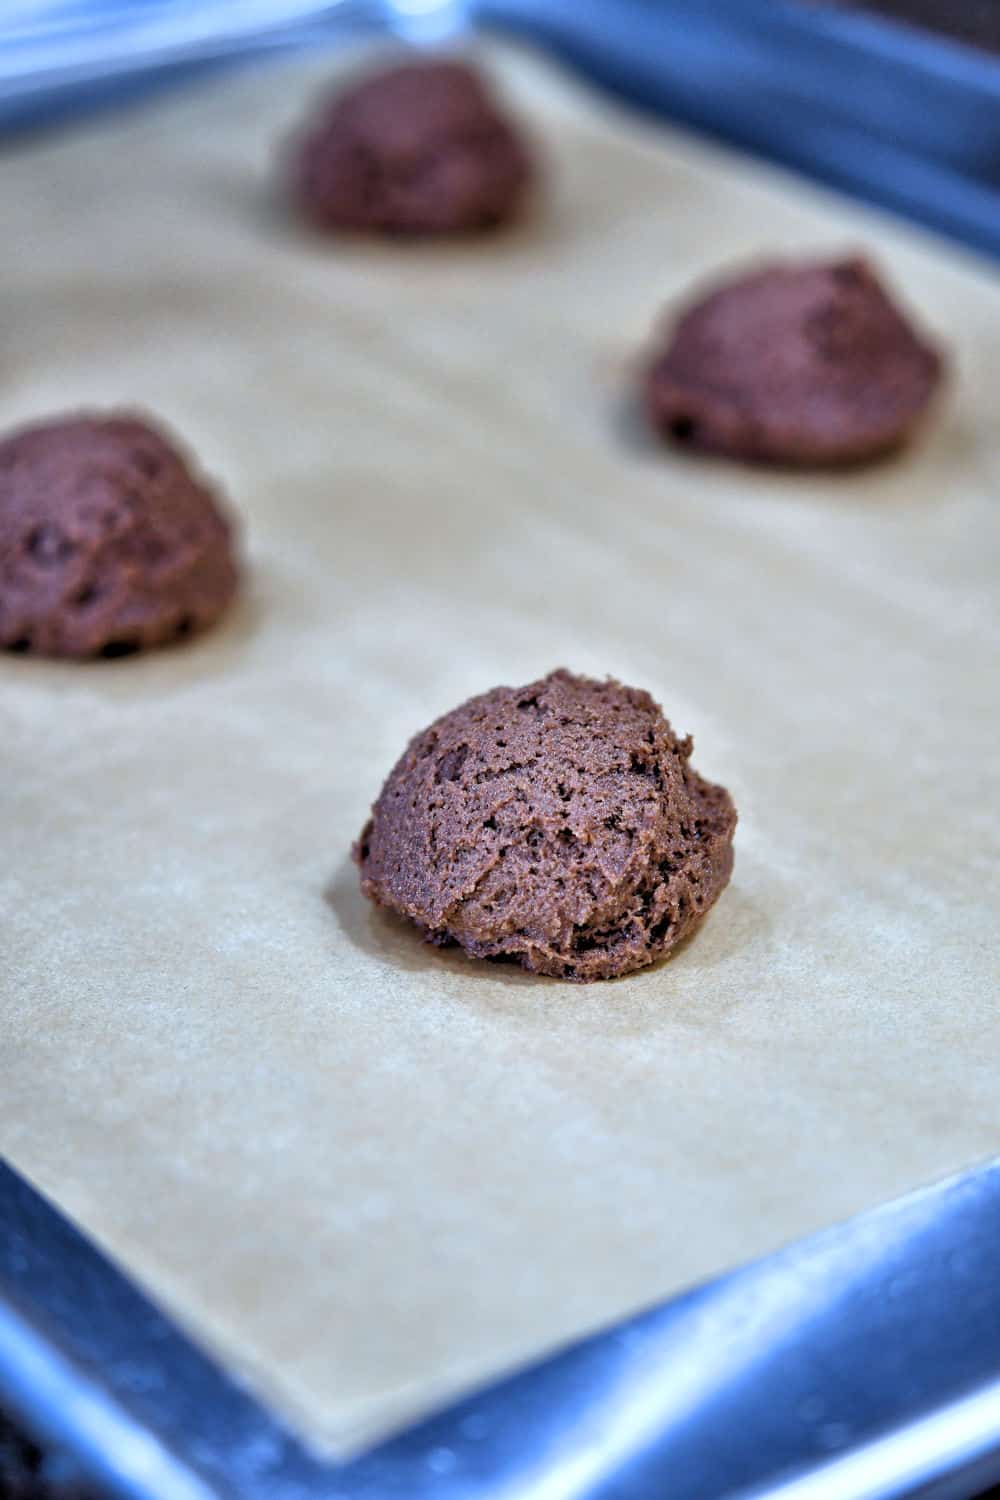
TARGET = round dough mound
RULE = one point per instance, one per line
(794, 364)
(557, 824)
(108, 543)
(420, 150)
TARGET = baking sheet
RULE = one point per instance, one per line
(366, 1172)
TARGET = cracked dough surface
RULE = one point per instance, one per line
(559, 824)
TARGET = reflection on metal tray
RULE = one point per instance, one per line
(893, 114)
(861, 1364)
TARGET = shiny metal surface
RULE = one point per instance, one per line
(60, 55)
(862, 1363)
(890, 113)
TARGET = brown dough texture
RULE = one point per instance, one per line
(422, 149)
(558, 825)
(109, 543)
(804, 364)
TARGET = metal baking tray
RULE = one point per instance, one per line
(862, 1363)
(896, 115)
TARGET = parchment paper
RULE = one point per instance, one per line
(365, 1172)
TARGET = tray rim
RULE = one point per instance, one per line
(149, 1416)
(76, 1391)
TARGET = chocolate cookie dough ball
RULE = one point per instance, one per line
(109, 543)
(422, 149)
(558, 824)
(794, 364)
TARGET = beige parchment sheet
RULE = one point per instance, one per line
(367, 1173)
